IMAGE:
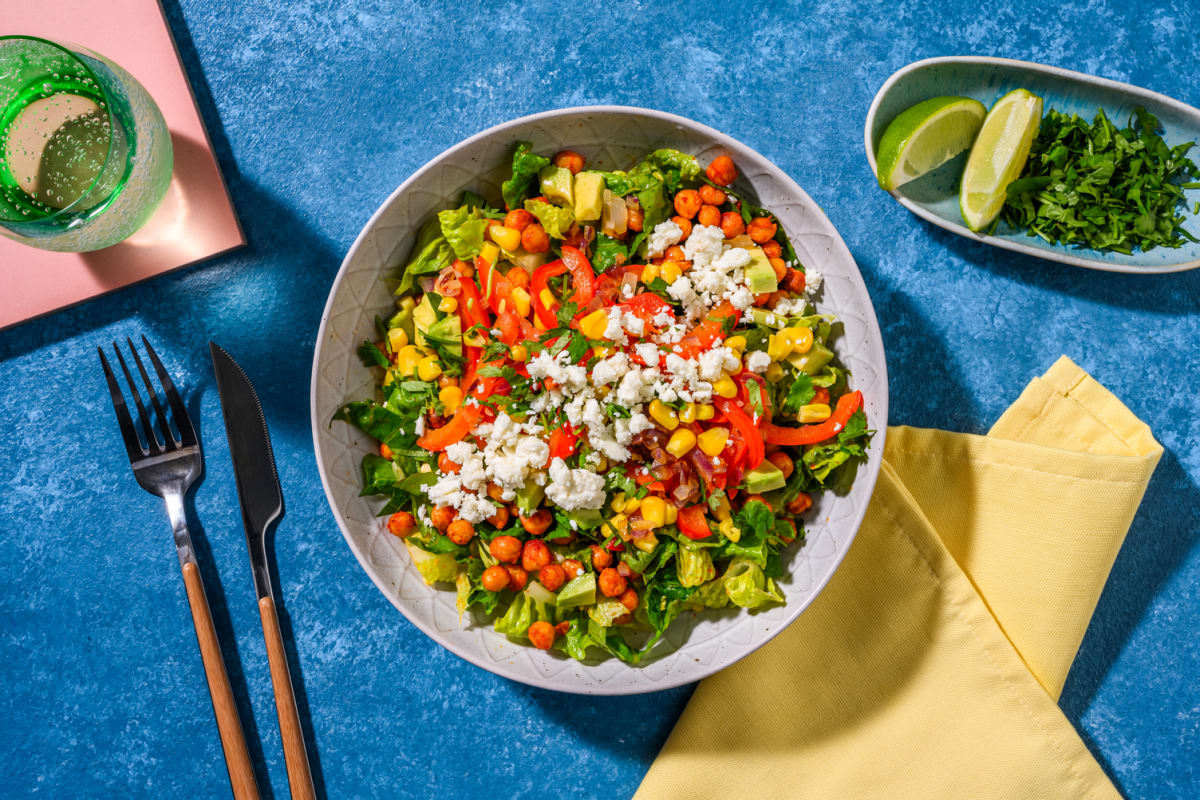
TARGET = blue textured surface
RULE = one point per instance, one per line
(318, 110)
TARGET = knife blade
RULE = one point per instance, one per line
(253, 461)
(262, 505)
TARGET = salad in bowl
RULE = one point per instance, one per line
(605, 399)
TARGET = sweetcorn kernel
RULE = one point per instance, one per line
(681, 442)
(736, 343)
(705, 411)
(617, 504)
(397, 338)
(646, 543)
(670, 271)
(650, 272)
(814, 412)
(713, 441)
(774, 372)
(520, 299)
(448, 304)
(654, 511)
(593, 324)
(428, 368)
(507, 238)
(687, 414)
(489, 252)
(672, 513)
(661, 413)
(519, 353)
(724, 387)
(451, 397)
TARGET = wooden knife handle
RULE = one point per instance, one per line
(294, 754)
(233, 741)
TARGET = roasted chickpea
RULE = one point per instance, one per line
(562, 627)
(535, 555)
(795, 532)
(709, 215)
(688, 202)
(779, 267)
(776, 297)
(712, 196)
(541, 635)
(794, 281)
(721, 171)
(552, 576)
(763, 299)
(460, 531)
(538, 522)
(611, 583)
(572, 568)
(675, 253)
(442, 516)
(757, 497)
(494, 578)
(783, 461)
(629, 599)
(802, 503)
(401, 524)
(761, 229)
(535, 240)
(635, 219)
(500, 518)
(505, 548)
(569, 159)
(518, 278)
(624, 619)
(518, 219)
(446, 466)
(601, 558)
(732, 224)
(495, 492)
(517, 577)
(685, 225)
(570, 537)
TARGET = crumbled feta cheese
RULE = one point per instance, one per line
(742, 297)
(610, 370)
(812, 281)
(647, 352)
(664, 235)
(615, 329)
(758, 361)
(572, 489)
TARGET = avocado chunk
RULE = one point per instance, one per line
(580, 591)
(812, 361)
(765, 316)
(764, 478)
(760, 275)
(558, 185)
(589, 196)
(586, 518)
(403, 319)
(447, 332)
(423, 317)
(529, 497)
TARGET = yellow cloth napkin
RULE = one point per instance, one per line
(930, 665)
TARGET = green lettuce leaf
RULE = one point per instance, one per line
(430, 255)
(518, 617)
(525, 167)
(434, 567)
(609, 253)
(694, 566)
(555, 219)
(800, 392)
(710, 595)
(607, 611)
(748, 587)
(463, 228)
(821, 461)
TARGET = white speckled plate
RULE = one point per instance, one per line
(612, 137)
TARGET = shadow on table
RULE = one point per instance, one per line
(1170, 293)
(1158, 542)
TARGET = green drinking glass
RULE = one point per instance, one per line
(85, 155)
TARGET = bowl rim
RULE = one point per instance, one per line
(864, 482)
(1064, 256)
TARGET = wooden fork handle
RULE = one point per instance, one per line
(233, 741)
(295, 756)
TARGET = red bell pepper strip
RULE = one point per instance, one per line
(509, 326)
(562, 442)
(453, 431)
(693, 524)
(703, 335)
(755, 451)
(820, 395)
(744, 380)
(471, 310)
(583, 278)
(847, 404)
(646, 306)
(539, 285)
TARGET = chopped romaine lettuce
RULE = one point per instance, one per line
(434, 567)
(525, 167)
(555, 219)
(463, 228)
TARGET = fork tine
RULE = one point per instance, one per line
(182, 420)
(168, 435)
(152, 444)
(132, 446)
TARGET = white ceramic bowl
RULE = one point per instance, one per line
(609, 137)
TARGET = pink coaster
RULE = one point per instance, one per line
(196, 218)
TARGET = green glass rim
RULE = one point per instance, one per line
(109, 109)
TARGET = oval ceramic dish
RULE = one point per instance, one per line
(934, 197)
(609, 137)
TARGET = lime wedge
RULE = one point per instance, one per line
(926, 136)
(998, 156)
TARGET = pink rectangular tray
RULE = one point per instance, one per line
(196, 219)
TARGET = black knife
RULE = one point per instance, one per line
(262, 505)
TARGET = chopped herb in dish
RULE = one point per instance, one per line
(606, 404)
(1103, 187)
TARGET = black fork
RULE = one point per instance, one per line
(167, 465)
